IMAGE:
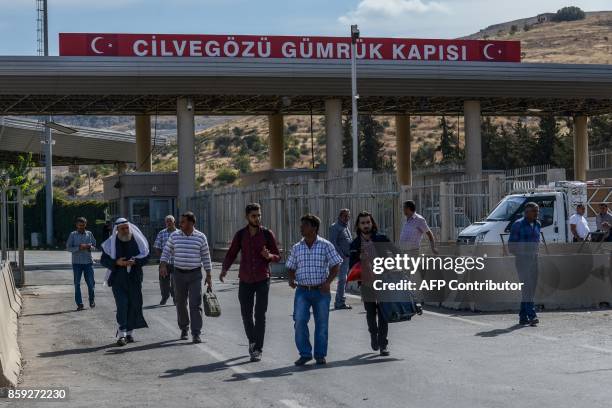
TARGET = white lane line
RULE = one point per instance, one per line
(214, 354)
(291, 403)
(595, 348)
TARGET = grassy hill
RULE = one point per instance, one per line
(226, 144)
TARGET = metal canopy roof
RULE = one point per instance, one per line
(86, 146)
(128, 86)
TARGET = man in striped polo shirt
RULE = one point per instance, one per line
(189, 249)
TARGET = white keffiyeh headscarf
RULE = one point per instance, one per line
(110, 248)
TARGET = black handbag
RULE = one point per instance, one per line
(211, 304)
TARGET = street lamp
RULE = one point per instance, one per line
(354, 95)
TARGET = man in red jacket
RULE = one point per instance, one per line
(259, 248)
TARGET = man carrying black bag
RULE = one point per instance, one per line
(364, 251)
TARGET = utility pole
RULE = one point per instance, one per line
(43, 37)
(354, 95)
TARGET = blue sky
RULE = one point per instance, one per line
(397, 18)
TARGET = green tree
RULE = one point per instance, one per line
(18, 174)
(525, 143)
(547, 138)
(425, 155)
(371, 145)
(600, 132)
(242, 163)
(571, 13)
(449, 144)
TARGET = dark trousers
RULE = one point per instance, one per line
(166, 285)
(188, 286)
(377, 325)
(254, 297)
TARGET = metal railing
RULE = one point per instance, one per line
(448, 207)
(600, 159)
(11, 231)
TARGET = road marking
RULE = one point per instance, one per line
(291, 403)
(214, 354)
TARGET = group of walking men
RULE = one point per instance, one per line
(313, 264)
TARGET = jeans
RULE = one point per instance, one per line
(166, 286)
(188, 285)
(83, 269)
(342, 274)
(380, 328)
(303, 301)
(254, 296)
(527, 270)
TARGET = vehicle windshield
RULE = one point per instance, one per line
(506, 209)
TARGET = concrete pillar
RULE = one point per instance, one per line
(276, 141)
(143, 143)
(403, 140)
(333, 132)
(581, 148)
(185, 135)
(473, 139)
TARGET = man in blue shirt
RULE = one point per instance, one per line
(523, 244)
(80, 243)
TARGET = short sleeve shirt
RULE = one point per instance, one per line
(582, 226)
(413, 230)
(312, 264)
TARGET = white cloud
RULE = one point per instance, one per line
(390, 13)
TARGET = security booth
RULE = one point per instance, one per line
(143, 198)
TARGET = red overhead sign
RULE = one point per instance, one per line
(259, 46)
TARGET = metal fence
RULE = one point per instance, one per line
(11, 231)
(448, 207)
(600, 159)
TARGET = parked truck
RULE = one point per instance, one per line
(557, 202)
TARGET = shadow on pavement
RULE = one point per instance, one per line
(498, 332)
(204, 368)
(82, 350)
(148, 346)
(361, 359)
(50, 313)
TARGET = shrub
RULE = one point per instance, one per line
(571, 13)
(225, 175)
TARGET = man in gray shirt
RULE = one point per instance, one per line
(340, 236)
(80, 243)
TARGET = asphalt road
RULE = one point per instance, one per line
(438, 360)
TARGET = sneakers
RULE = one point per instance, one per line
(374, 342)
(320, 361)
(534, 322)
(129, 338)
(384, 351)
(196, 339)
(184, 334)
(92, 304)
(80, 307)
(255, 356)
(523, 322)
(343, 306)
(122, 341)
(302, 360)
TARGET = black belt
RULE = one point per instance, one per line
(308, 287)
(179, 270)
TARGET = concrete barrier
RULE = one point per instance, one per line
(10, 308)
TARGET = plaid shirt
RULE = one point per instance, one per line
(80, 256)
(312, 265)
(162, 238)
(413, 230)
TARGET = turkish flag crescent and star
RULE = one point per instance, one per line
(287, 47)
